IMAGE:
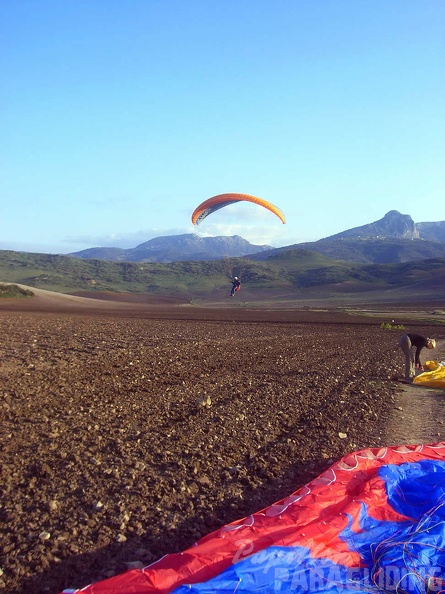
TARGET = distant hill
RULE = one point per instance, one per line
(392, 226)
(394, 238)
(432, 231)
(396, 226)
(362, 250)
(176, 248)
(284, 276)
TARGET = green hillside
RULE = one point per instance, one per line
(291, 270)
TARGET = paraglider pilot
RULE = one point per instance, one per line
(236, 285)
(412, 360)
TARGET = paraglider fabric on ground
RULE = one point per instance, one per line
(434, 377)
(373, 521)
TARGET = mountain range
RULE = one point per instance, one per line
(391, 260)
(394, 238)
(176, 248)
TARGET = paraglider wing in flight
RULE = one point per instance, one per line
(213, 204)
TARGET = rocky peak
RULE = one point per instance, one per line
(392, 225)
(395, 224)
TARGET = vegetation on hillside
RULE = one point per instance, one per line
(366, 250)
(293, 270)
(10, 290)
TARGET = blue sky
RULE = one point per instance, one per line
(119, 117)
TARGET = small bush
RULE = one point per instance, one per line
(7, 290)
(391, 326)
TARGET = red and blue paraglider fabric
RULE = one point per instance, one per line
(372, 522)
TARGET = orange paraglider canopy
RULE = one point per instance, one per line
(212, 204)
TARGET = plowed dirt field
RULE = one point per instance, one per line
(129, 431)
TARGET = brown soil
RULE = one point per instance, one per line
(418, 414)
(131, 430)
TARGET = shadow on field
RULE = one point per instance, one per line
(117, 558)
